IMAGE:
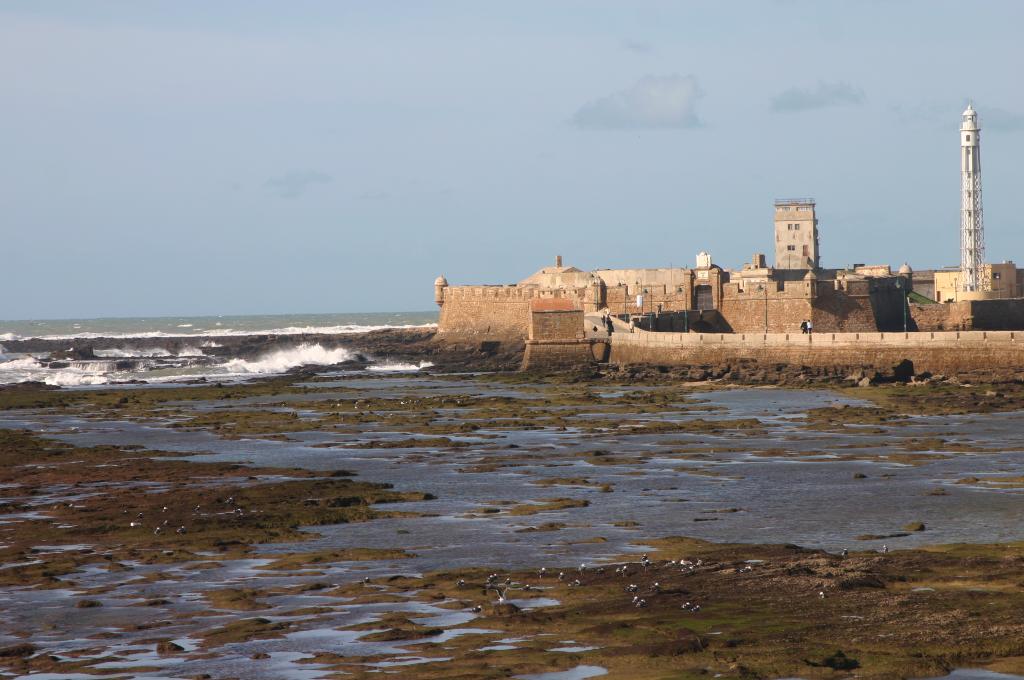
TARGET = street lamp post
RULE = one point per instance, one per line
(903, 301)
(765, 289)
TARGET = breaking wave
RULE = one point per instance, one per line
(157, 365)
(131, 352)
(279, 361)
(397, 367)
(28, 368)
(134, 353)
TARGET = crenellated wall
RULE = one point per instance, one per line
(498, 312)
(746, 304)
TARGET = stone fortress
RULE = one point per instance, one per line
(757, 304)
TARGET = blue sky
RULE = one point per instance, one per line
(250, 156)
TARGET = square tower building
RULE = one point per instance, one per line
(796, 234)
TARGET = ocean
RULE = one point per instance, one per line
(194, 355)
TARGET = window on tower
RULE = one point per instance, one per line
(790, 247)
(968, 138)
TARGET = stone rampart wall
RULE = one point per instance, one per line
(997, 314)
(948, 353)
(556, 325)
(557, 354)
(940, 317)
(498, 312)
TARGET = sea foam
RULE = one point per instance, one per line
(278, 361)
(287, 330)
(398, 367)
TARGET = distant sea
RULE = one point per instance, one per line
(167, 326)
(140, 356)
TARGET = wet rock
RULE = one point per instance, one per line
(839, 662)
(506, 609)
(74, 353)
(19, 650)
(914, 526)
(88, 604)
(903, 371)
(859, 580)
(859, 475)
(864, 382)
(168, 647)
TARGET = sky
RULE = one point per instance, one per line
(177, 157)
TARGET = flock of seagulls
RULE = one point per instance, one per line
(137, 522)
(639, 595)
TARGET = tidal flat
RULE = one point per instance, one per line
(346, 524)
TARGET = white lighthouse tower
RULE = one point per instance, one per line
(972, 226)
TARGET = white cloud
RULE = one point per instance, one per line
(818, 97)
(653, 102)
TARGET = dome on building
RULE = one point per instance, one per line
(441, 281)
(906, 270)
(810, 275)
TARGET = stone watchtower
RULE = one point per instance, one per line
(796, 234)
(440, 283)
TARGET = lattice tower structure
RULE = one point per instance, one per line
(972, 223)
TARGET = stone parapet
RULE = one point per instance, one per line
(949, 352)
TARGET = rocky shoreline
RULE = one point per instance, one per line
(396, 344)
(453, 354)
(155, 539)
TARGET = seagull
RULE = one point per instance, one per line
(501, 595)
(583, 568)
(641, 603)
(885, 549)
(180, 530)
(477, 609)
(821, 594)
(462, 582)
(845, 552)
(157, 530)
(543, 571)
(561, 576)
(135, 524)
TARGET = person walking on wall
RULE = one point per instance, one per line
(810, 327)
(609, 325)
(803, 327)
